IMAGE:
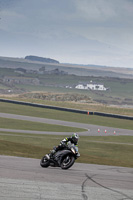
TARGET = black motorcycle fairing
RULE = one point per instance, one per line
(60, 154)
(53, 163)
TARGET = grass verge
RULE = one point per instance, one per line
(36, 126)
(66, 116)
(96, 150)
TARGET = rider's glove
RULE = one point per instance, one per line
(53, 151)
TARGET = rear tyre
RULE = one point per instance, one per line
(44, 162)
(67, 161)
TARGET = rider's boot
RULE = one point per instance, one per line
(52, 153)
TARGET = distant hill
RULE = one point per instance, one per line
(41, 59)
(75, 69)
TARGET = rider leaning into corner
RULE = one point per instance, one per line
(73, 139)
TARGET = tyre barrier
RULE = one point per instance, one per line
(46, 106)
(113, 115)
(68, 109)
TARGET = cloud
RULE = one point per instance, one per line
(104, 10)
(6, 4)
(94, 30)
(96, 10)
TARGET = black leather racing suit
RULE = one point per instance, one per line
(64, 142)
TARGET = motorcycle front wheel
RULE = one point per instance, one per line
(44, 162)
(67, 161)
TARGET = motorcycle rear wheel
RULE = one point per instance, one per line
(44, 162)
(67, 162)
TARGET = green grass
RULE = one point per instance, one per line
(111, 150)
(107, 154)
(91, 150)
(28, 125)
(66, 116)
(111, 139)
(3, 87)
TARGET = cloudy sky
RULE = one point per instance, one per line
(70, 31)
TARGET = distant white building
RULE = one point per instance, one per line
(81, 86)
(96, 86)
(91, 86)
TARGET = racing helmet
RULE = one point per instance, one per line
(75, 138)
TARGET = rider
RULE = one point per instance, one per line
(73, 139)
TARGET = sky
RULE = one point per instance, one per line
(98, 32)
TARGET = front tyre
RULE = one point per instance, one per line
(67, 161)
(44, 162)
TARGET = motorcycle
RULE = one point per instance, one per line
(64, 158)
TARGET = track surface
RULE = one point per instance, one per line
(91, 129)
(24, 179)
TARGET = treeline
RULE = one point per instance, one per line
(41, 59)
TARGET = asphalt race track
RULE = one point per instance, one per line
(25, 179)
